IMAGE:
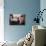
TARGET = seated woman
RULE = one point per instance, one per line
(26, 41)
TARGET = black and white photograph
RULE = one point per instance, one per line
(17, 19)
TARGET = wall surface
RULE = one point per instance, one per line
(1, 21)
(28, 7)
(43, 6)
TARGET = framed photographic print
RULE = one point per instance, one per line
(17, 19)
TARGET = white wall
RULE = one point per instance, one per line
(43, 6)
(1, 21)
